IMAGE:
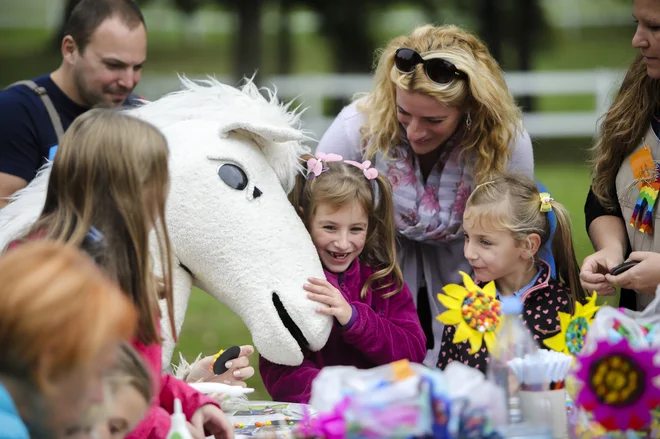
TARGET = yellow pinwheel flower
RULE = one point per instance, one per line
(570, 339)
(475, 312)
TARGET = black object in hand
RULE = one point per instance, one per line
(229, 354)
(623, 267)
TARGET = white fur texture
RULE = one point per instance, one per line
(240, 249)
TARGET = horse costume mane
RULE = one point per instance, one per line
(265, 120)
(240, 241)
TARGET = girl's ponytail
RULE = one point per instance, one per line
(296, 196)
(564, 253)
(381, 239)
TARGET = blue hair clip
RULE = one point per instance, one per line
(93, 242)
(94, 235)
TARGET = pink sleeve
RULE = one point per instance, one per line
(155, 425)
(191, 399)
(157, 421)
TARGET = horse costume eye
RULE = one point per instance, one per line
(233, 176)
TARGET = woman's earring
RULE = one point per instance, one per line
(468, 120)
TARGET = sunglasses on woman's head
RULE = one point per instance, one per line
(438, 70)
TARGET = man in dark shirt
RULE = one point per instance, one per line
(103, 51)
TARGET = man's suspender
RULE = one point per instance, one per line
(52, 113)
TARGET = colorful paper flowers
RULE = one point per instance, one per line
(570, 339)
(325, 425)
(475, 312)
(617, 385)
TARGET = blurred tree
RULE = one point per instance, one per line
(284, 43)
(527, 35)
(488, 26)
(513, 30)
(188, 7)
(248, 37)
(346, 25)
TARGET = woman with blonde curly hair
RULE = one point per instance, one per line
(439, 120)
(625, 171)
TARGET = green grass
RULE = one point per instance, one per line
(211, 326)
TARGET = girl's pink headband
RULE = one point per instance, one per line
(315, 165)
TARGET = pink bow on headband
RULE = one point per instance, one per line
(369, 172)
(315, 165)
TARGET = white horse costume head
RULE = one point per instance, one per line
(233, 159)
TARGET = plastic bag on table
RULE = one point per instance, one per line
(403, 400)
(638, 327)
(393, 400)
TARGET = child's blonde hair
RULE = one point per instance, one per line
(129, 370)
(341, 184)
(495, 117)
(111, 172)
(513, 202)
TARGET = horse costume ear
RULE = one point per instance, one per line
(281, 145)
(260, 133)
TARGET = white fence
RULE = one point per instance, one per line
(312, 90)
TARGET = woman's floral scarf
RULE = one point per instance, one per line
(431, 211)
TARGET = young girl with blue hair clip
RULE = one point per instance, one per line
(506, 222)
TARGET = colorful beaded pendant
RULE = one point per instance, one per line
(648, 195)
(647, 172)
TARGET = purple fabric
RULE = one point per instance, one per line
(352, 320)
(384, 330)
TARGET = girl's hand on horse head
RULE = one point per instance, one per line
(322, 291)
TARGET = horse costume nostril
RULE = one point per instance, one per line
(289, 324)
(186, 269)
(256, 193)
